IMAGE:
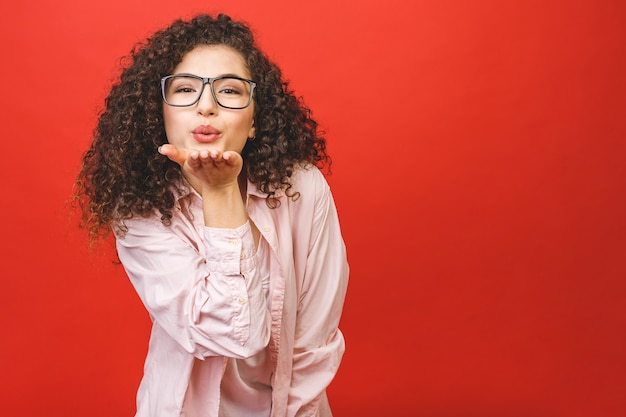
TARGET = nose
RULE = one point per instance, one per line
(206, 104)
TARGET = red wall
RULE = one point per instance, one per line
(479, 151)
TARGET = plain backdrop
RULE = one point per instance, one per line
(478, 151)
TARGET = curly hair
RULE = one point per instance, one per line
(123, 175)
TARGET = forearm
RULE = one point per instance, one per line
(210, 301)
(223, 207)
(312, 372)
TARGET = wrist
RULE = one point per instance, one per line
(223, 206)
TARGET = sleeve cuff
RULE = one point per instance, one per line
(229, 251)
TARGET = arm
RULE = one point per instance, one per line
(211, 302)
(214, 175)
(319, 345)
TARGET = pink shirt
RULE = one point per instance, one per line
(205, 296)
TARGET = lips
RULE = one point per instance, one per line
(205, 134)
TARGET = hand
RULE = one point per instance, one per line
(206, 168)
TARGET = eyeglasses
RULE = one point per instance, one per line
(182, 90)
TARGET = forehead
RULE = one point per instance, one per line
(213, 61)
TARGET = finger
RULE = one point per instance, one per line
(205, 158)
(231, 157)
(214, 157)
(208, 155)
(173, 153)
(194, 158)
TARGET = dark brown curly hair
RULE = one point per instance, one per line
(122, 173)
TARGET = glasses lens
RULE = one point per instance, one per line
(232, 92)
(182, 90)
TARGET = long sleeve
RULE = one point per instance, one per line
(318, 343)
(200, 286)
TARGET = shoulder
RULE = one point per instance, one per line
(186, 218)
(309, 180)
(307, 183)
(313, 199)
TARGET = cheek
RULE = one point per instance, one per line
(167, 117)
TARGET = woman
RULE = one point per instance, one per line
(206, 167)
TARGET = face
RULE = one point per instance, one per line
(206, 125)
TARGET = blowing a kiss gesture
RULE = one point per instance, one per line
(206, 168)
(214, 175)
(244, 323)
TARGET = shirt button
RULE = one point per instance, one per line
(234, 242)
(267, 229)
(242, 300)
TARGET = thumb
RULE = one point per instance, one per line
(172, 152)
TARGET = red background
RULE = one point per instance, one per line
(478, 149)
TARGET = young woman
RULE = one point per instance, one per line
(206, 167)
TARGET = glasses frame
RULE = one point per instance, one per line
(206, 81)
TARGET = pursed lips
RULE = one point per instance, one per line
(205, 134)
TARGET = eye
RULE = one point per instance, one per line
(229, 90)
(184, 90)
(183, 85)
(230, 87)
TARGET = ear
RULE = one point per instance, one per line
(252, 131)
